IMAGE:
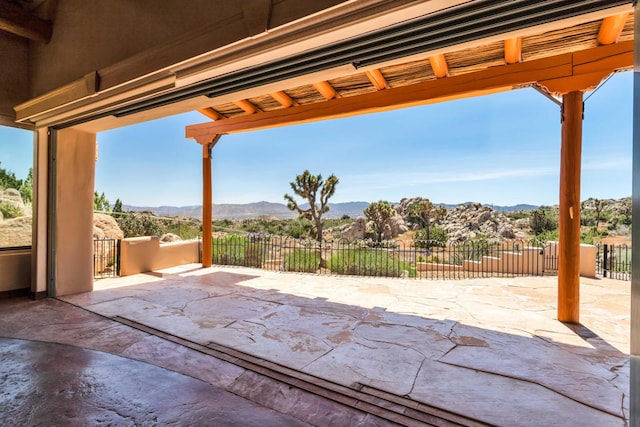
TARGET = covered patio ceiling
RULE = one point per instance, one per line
(543, 58)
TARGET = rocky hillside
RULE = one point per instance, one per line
(15, 219)
(468, 221)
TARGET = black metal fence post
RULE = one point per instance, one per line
(605, 259)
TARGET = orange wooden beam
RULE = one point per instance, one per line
(283, 99)
(211, 113)
(472, 84)
(611, 28)
(439, 65)
(326, 90)
(377, 79)
(569, 211)
(590, 67)
(247, 106)
(513, 50)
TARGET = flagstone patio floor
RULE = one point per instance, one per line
(490, 349)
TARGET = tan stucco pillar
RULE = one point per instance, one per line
(73, 211)
(569, 211)
(39, 213)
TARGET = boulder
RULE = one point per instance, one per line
(469, 221)
(395, 227)
(15, 232)
(12, 196)
(170, 237)
(105, 226)
(357, 230)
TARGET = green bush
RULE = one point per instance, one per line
(542, 220)
(298, 228)
(437, 238)
(302, 261)
(435, 259)
(471, 250)
(186, 230)
(9, 210)
(367, 262)
(544, 237)
(139, 224)
(592, 236)
(237, 250)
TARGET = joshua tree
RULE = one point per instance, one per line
(424, 212)
(380, 213)
(307, 186)
(599, 206)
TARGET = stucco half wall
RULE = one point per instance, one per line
(142, 254)
(15, 268)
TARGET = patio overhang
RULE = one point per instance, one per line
(567, 75)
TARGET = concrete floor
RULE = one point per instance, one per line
(490, 349)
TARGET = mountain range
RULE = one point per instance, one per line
(280, 210)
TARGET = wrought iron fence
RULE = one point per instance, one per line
(613, 261)
(417, 259)
(106, 258)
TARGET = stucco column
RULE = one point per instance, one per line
(569, 213)
(72, 211)
(39, 214)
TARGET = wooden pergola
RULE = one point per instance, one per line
(562, 62)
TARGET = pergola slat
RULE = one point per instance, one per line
(611, 28)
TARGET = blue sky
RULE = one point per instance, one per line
(501, 149)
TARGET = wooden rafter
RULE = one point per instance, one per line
(326, 90)
(611, 28)
(377, 79)
(598, 61)
(513, 50)
(211, 113)
(283, 99)
(247, 106)
(439, 65)
(20, 22)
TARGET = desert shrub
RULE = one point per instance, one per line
(437, 238)
(237, 250)
(9, 210)
(186, 230)
(435, 259)
(298, 228)
(302, 261)
(471, 250)
(542, 220)
(139, 224)
(367, 262)
(544, 237)
(517, 215)
(592, 236)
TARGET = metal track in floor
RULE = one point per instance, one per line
(388, 406)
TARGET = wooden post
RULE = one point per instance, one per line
(569, 215)
(207, 200)
(206, 206)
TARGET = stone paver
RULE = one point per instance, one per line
(487, 348)
(47, 384)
